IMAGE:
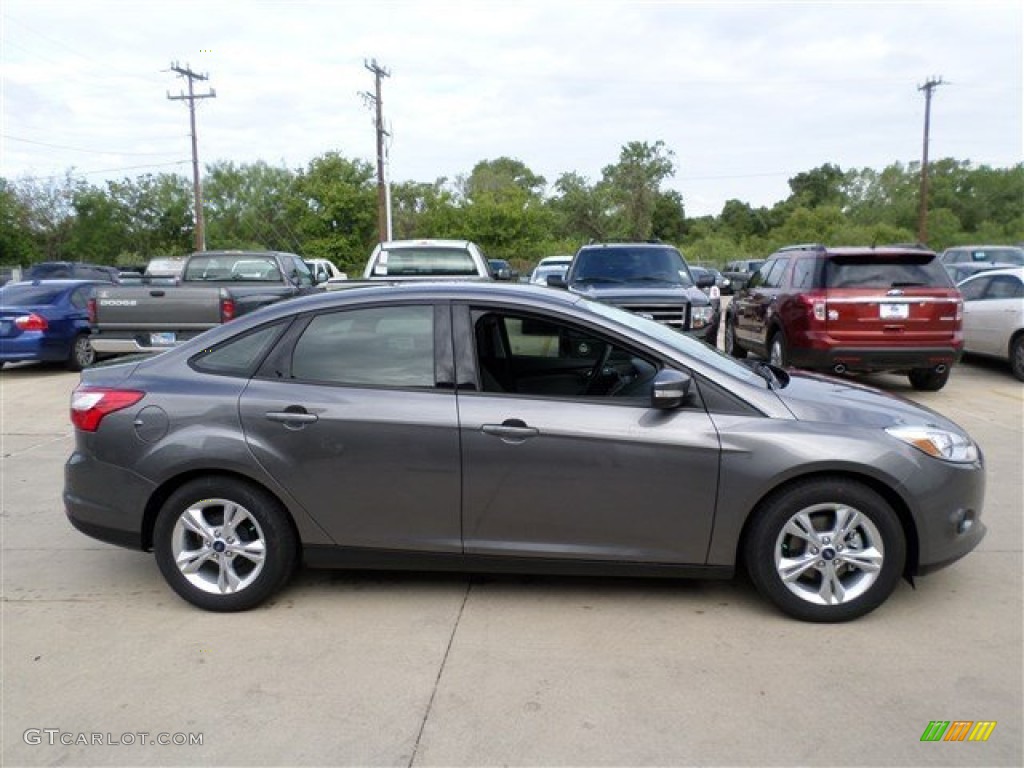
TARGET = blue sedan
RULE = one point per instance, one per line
(47, 321)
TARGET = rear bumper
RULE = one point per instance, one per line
(47, 350)
(874, 358)
(129, 343)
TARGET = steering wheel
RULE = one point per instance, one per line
(594, 374)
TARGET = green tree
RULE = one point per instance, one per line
(633, 185)
(16, 243)
(334, 210)
(246, 206)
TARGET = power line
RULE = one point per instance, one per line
(86, 151)
(74, 174)
(186, 72)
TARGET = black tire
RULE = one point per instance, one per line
(82, 354)
(832, 580)
(729, 342)
(927, 379)
(778, 355)
(227, 573)
(1017, 356)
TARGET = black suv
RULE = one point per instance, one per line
(884, 308)
(649, 279)
(70, 270)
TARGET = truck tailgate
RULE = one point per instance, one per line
(157, 308)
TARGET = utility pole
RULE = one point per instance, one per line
(197, 188)
(383, 223)
(922, 212)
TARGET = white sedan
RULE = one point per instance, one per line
(994, 315)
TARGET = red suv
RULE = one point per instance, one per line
(854, 308)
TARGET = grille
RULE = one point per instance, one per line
(673, 315)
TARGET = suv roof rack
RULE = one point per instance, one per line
(803, 247)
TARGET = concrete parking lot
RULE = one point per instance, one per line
(362, 668)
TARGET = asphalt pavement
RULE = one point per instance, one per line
(101, 661)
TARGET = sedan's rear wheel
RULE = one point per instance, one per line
(826, 550)
(82, 354)
(223, 544)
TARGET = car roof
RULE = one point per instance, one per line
(641, 244)
(858, 250)
(430, 243)
(1016, 271)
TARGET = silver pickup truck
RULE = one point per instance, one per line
(401, 260)
(214, 287)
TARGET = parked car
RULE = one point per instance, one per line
(994, 316)
(739, 272)
(70, 270)
(215, 287)
(326, 273)
(851, 309)
(1009, 255)
(959, 271)
(650, 279)
(479, 426)
(47, 321)
(427, 260)
(552, 261)
(502, 270)
(542, 272)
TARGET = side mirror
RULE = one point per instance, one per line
(503, 274)
(670, 389)
(557, 281)
(705, 281)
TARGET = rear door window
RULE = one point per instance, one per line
(376, 347)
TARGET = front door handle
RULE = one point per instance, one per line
(510, 431)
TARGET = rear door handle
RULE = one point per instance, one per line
(294, 416)
(510, 430)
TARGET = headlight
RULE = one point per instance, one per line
(940, 443)
(701, 316)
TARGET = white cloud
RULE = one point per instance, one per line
(747, 94)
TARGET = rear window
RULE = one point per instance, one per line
(886, 271)
(245, 267)
(425, 261)
(29, 295)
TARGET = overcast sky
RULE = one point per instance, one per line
(746, 94)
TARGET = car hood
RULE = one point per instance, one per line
(629, 293)
(816, 397)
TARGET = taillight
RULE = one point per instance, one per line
(90, 307)
(31, 322)
(959, 310)
(227, 306)
(90, 404)
(816, 306)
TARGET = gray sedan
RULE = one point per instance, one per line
(490, 427)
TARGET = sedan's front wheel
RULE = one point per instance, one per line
(826, 550)
(223, 544)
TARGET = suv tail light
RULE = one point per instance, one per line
(816, 305)
(32, 322)
(90, 404)
(90, 308)
(959, 310)
(227, 306)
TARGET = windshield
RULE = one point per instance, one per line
(677, 341)
(631, 265)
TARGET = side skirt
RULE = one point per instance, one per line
(316, 556)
